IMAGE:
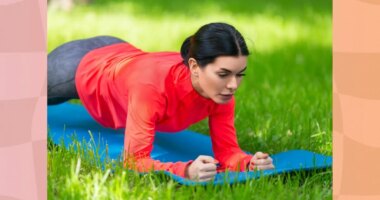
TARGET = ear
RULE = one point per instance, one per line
(194, 67)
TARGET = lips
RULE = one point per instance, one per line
(227, 95)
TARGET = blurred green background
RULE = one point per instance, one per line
(284, 102)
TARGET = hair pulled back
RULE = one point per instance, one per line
(213, 40)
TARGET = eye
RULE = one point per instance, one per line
(222, 75)
(240, 75)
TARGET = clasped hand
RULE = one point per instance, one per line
(204, 167)
(260, 161)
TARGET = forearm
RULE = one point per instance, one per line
(237, 161)
(147, 164)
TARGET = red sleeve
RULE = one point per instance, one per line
(224, 141)
(145, 106)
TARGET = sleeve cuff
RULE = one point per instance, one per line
(181, 169)
(238, 162)
(245, 162)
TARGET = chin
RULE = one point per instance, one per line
(221, 101)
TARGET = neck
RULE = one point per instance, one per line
(196, 86)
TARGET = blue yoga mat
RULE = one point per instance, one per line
(68, 120)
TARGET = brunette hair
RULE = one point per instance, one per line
(213, 40)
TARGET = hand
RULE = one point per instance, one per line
(202, 169)
(261, 161)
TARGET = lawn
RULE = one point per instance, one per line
(284, 101)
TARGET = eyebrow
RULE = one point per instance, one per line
(230, 71)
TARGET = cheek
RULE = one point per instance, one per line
(212, 83)
(216, 83)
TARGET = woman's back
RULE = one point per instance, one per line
(106, 77)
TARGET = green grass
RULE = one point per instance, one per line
(78, 175)
(283, 103)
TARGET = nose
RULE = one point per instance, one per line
(232, 84)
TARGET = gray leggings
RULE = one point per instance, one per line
(63, 63)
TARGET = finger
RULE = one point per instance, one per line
(204, 180)
(208, 167)
(264, 157)
(258, 162)
(206, 159)
(254, 158)
(264, 167)
(262, 162)
(206, 175)
(256, 154)
(261, 155)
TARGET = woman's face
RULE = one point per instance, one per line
(218, 80)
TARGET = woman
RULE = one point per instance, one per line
(143, 92)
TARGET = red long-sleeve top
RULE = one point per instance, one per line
(143, 92)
